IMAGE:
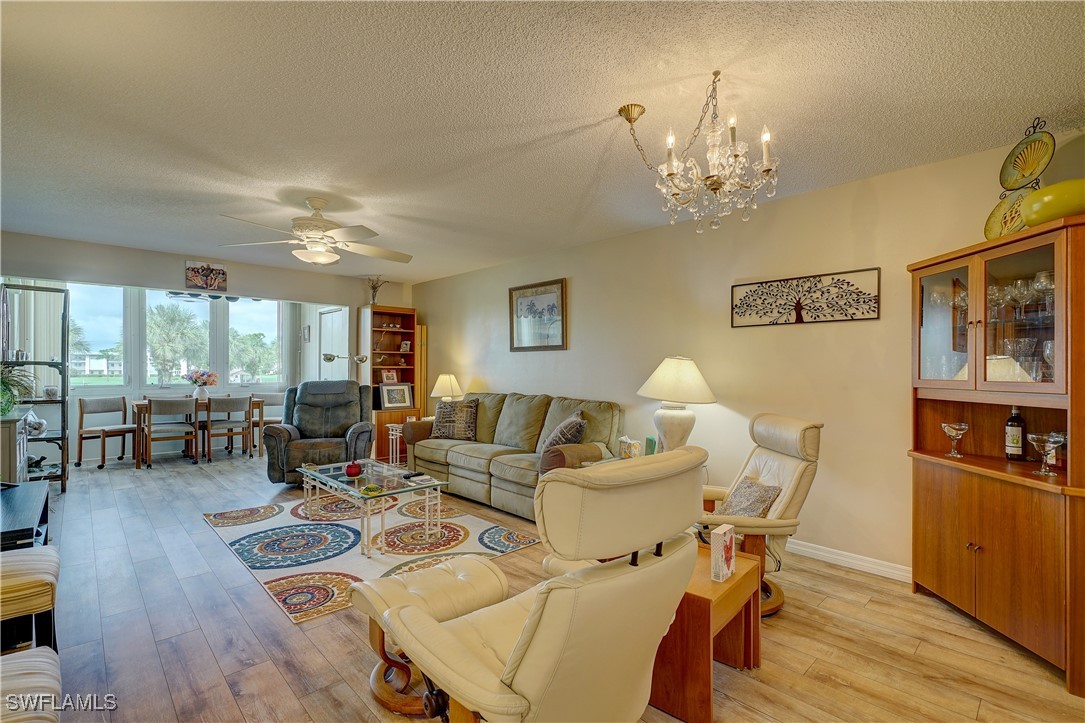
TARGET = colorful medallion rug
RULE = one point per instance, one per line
(307, 557)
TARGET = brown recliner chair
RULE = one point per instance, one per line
(324, 422)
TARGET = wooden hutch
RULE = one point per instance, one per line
(384, 332)
(991, 536)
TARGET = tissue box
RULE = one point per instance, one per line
(723, 552)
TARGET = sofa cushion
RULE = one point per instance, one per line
(455, 420)
(436, 450)
(520, 468)
(521, 420)
(750, 498)
(603, 420)
(477, 456)
(326, 408)
(489, 411)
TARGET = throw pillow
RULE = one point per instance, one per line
(455, 420)
(750, 498)
(570, 431)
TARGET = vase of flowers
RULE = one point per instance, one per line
(202, 379)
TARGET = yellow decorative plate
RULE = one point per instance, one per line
(1027, 160)
(1006, 218)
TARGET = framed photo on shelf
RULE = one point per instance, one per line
(537, 320)
(389, 376)
(405, 346)
(396, 396)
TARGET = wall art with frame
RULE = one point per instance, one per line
(537, 317)
(841, 296)
(396, 396)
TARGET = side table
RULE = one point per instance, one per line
(715, 621)
(395, 434)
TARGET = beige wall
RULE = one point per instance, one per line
(637, 298)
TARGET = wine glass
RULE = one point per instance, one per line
(1021, 292)
(1049, 355)
(954, 430)
(1045, 444)
(996, 299)
(1044, 285)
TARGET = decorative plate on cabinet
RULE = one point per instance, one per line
(1027, 160)
(1007, 218)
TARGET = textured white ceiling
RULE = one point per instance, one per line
(472, 134)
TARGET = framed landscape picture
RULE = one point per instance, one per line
(396, 396)
(389, 376)
(537, 317)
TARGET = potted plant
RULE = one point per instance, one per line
(15, 383)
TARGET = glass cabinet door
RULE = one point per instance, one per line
(1023, 334)
(943, 337)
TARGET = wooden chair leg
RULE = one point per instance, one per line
(101, 442)
(124, 438)
(79, 450)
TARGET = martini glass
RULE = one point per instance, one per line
(954, 430)
(1045, 444)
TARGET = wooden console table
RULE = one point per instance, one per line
(715, 621)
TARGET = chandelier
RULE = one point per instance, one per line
(732, 182)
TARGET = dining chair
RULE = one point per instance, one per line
(270, 400)
(171, 429)
(229, 425)
(102, 432)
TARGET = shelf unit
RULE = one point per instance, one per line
(990, 536)
(383, 330)
(56, 472)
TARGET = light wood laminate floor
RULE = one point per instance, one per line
(154, 608)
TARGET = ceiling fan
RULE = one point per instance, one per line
(322, 238)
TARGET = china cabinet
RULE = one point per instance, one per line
(997, 325)
(394, 343)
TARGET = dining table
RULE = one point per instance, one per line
(139, 418)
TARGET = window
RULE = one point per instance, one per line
(177, 337)
(96, 335)
(255, 352)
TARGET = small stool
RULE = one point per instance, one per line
(30, 677)
(28, 586)
(445, 591)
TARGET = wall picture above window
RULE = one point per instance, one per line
(203, 275)
(842, 296)
(537, 320)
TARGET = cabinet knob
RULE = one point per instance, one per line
(978, 548)
(969, 546)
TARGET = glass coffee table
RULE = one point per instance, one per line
(377, 481)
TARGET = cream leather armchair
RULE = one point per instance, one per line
(580, 646)
(785, 455)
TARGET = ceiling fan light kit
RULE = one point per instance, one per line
(323, 238)
(731, 183)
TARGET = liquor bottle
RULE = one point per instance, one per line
(1015, 436)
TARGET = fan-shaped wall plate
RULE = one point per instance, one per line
(1007, 217)
(1027, 160)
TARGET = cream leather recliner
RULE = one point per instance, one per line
(580, 646)
(786, 456)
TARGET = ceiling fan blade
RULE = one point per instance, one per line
(262, 243)
(352, 233)
(254, 223)
(376, 252)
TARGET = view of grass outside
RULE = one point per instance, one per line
(96, 335)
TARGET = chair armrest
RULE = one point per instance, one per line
(417, 431)
(720, 494)
(29, 582)
(568, 456)
(360, 440)
(753, 525)
(276, 438)
(451, 664)
(281, 433)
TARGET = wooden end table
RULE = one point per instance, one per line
(715, 621)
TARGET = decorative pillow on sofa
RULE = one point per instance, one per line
(750, 498)
(570, 431)
(455, 420)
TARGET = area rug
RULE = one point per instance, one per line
(307, 558)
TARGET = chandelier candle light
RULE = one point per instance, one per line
(732, 181)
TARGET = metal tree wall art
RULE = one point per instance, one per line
(844, 296)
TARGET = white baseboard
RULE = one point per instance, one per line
(849, 559)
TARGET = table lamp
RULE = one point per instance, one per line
(446, 388)
(676, 382)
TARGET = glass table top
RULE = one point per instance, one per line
(377, 479)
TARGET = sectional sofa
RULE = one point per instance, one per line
(500, 466)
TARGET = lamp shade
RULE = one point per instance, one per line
(446, 387)
(677, 380)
